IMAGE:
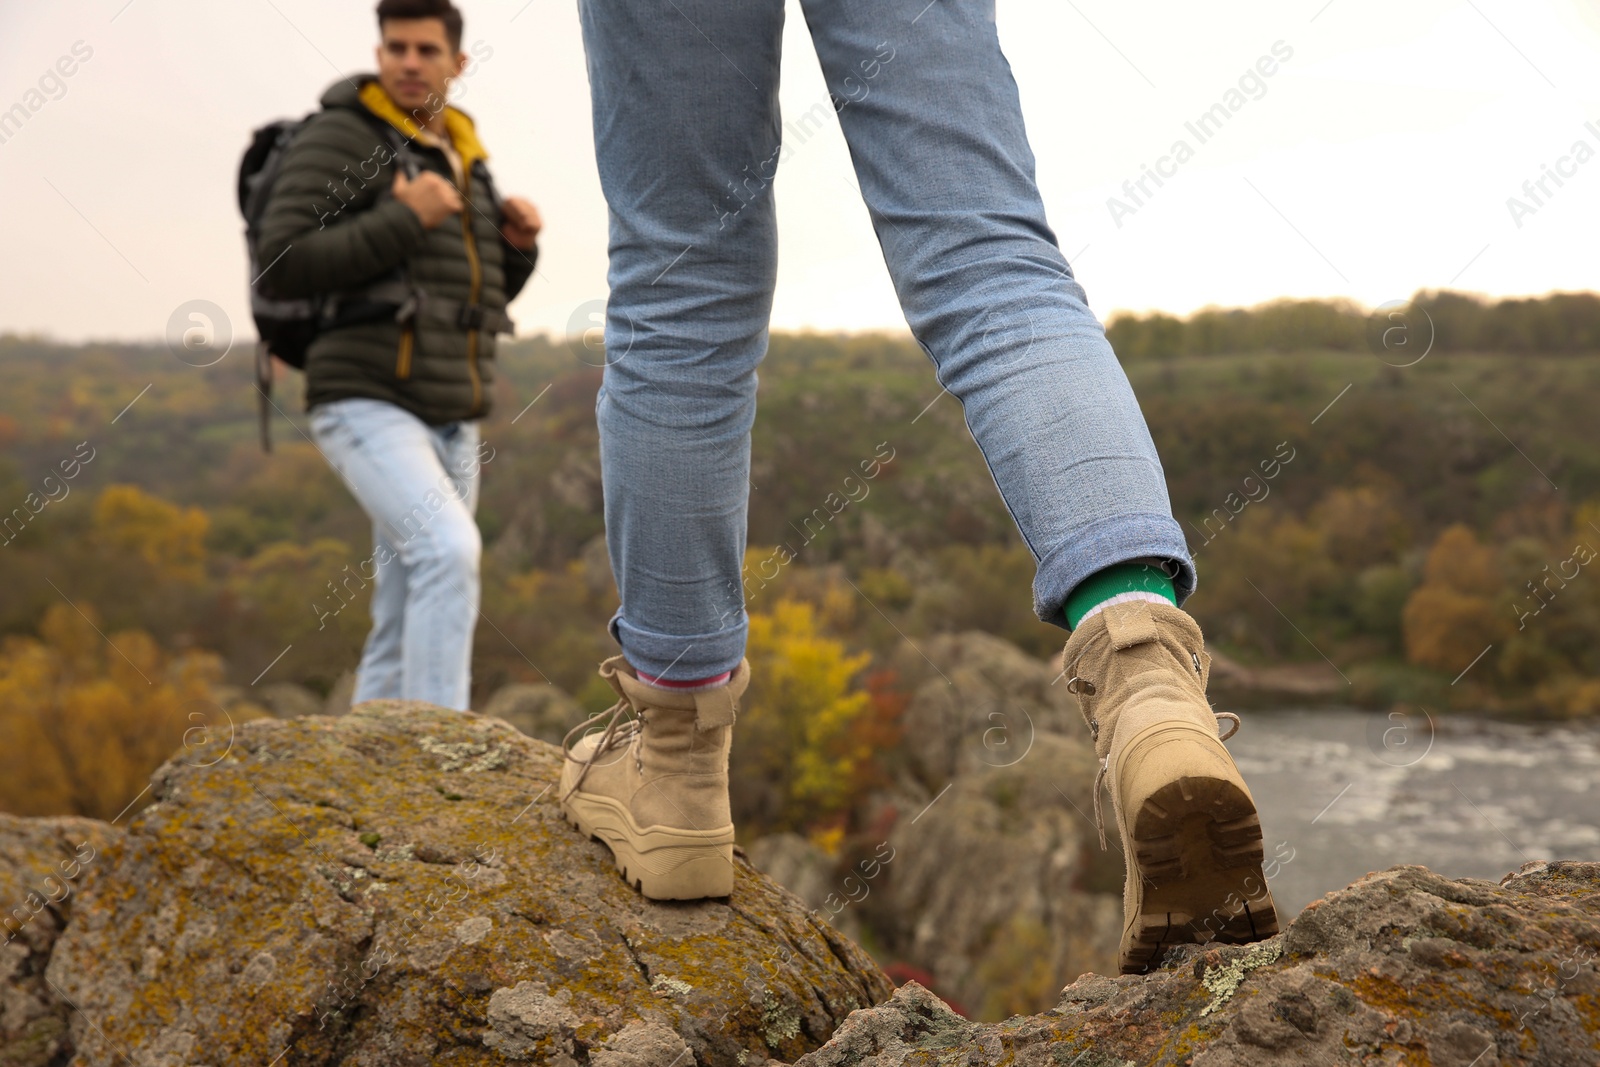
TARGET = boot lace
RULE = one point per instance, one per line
(617, 730)
(1105, 767)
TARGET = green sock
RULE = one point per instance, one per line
(1101, 586)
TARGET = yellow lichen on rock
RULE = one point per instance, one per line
(397, 885)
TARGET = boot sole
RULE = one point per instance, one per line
(661, 863)
(1196, 844)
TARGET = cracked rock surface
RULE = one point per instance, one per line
(1403, 967)
(43, 865)
(394, 887)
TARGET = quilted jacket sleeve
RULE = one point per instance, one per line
(325, 227)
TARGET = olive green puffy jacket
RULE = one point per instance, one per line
(332, 226)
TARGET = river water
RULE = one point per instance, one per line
(1342, 793)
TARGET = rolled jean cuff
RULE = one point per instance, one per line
(1120, 539)
(681, 659)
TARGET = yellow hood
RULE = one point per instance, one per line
(463, 135)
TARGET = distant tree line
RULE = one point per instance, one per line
(1560, 323)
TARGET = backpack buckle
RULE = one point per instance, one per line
(470, 317)
(407, 312)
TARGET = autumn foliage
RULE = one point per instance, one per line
(806, 732)
(86, 716)
(1451, 617)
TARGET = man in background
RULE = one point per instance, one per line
(417, 270)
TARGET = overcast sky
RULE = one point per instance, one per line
(1378, 158)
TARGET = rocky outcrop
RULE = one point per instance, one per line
(804, 870)
(978, 701)
(289, 700)
(1404, 967)
(997, 887)
(43, 863)
(1233, 685)
(542, 711)
(396, 886)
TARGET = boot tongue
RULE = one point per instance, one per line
(1130, 623)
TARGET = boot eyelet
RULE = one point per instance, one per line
(1080, 687)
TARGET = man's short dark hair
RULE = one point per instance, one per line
(443, 10)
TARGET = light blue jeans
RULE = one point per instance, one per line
(419, 485)
(688, 137)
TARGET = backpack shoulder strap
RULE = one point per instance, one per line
(481, 172)
(400, 146)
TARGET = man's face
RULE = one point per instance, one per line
(416, 63)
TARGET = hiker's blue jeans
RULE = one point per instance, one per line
(688, 137)
(419, 485)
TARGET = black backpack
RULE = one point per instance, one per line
(287, 326)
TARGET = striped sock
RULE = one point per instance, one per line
(689, 685)
(1115, 585)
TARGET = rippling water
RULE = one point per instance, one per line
(1342, 793)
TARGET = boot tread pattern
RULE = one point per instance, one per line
(1197, 846)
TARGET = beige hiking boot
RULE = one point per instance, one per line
(649, 779)
(1189, 827)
